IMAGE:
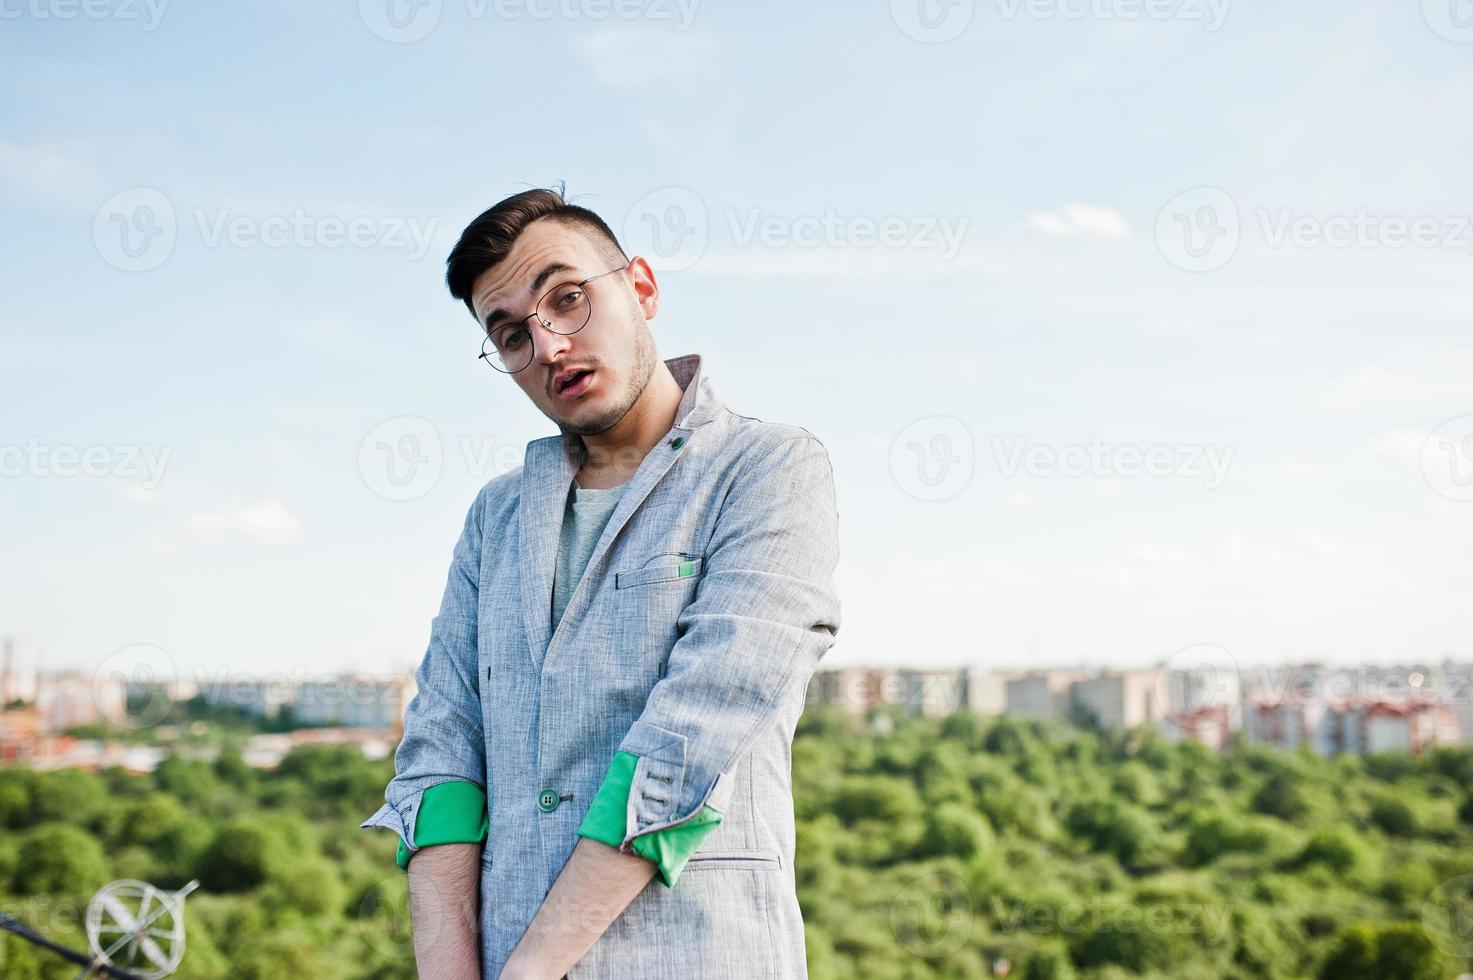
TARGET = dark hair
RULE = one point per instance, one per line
(488, 239)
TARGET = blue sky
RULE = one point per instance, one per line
(292, 176)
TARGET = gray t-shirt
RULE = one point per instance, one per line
(584, 519)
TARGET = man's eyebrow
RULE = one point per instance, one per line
(538, 281)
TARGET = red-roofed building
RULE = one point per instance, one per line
(1406, 726)
(1355, 726)
(1210, 724)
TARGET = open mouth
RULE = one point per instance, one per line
(576, 384)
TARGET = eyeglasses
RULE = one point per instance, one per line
(564, 309)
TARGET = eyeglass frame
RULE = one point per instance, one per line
(489, 354)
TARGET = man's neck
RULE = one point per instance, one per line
(613, 455)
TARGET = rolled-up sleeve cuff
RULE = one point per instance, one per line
(400, 821)
(452, 812)
(607, 821)
(604, 820)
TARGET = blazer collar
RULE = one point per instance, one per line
(548, 472)
(698, 405)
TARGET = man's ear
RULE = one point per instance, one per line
(646, 288)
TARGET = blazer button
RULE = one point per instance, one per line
(547, 800)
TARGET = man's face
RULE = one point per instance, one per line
(615, 346)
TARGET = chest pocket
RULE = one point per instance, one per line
(665, 568)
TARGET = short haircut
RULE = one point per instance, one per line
(488, 239)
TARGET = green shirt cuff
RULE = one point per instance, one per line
(669, 848)
(449, 813)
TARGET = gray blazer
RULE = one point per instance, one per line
(699, 670)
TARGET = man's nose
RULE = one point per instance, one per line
(549, 345)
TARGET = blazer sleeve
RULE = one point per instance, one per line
(764, 613)
(443, 737)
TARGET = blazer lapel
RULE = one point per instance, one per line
(547, 475)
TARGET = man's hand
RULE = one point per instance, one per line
(595, 886)
(444, 903)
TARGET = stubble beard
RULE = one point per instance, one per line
(634, 386)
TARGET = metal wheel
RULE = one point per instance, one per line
(137, 927)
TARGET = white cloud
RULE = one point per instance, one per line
(1080, 221)
(266, 522)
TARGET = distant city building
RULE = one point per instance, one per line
(353, 701)
(1357, 727)
(1185, 691)
(1407, 726)
(18, 732)
(1041, 693)
(174, 689)
(915, 690)
(1117, 699)
(854, 689)
(1123, 698)
(346, 700)
(71, 700)
(262, 698)
(987, 690)
(1290, 724)
(1457, 693)
(1210, 724)
(17, 671)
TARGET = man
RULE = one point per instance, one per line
(622, 653)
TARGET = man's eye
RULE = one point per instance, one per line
(513, 338)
